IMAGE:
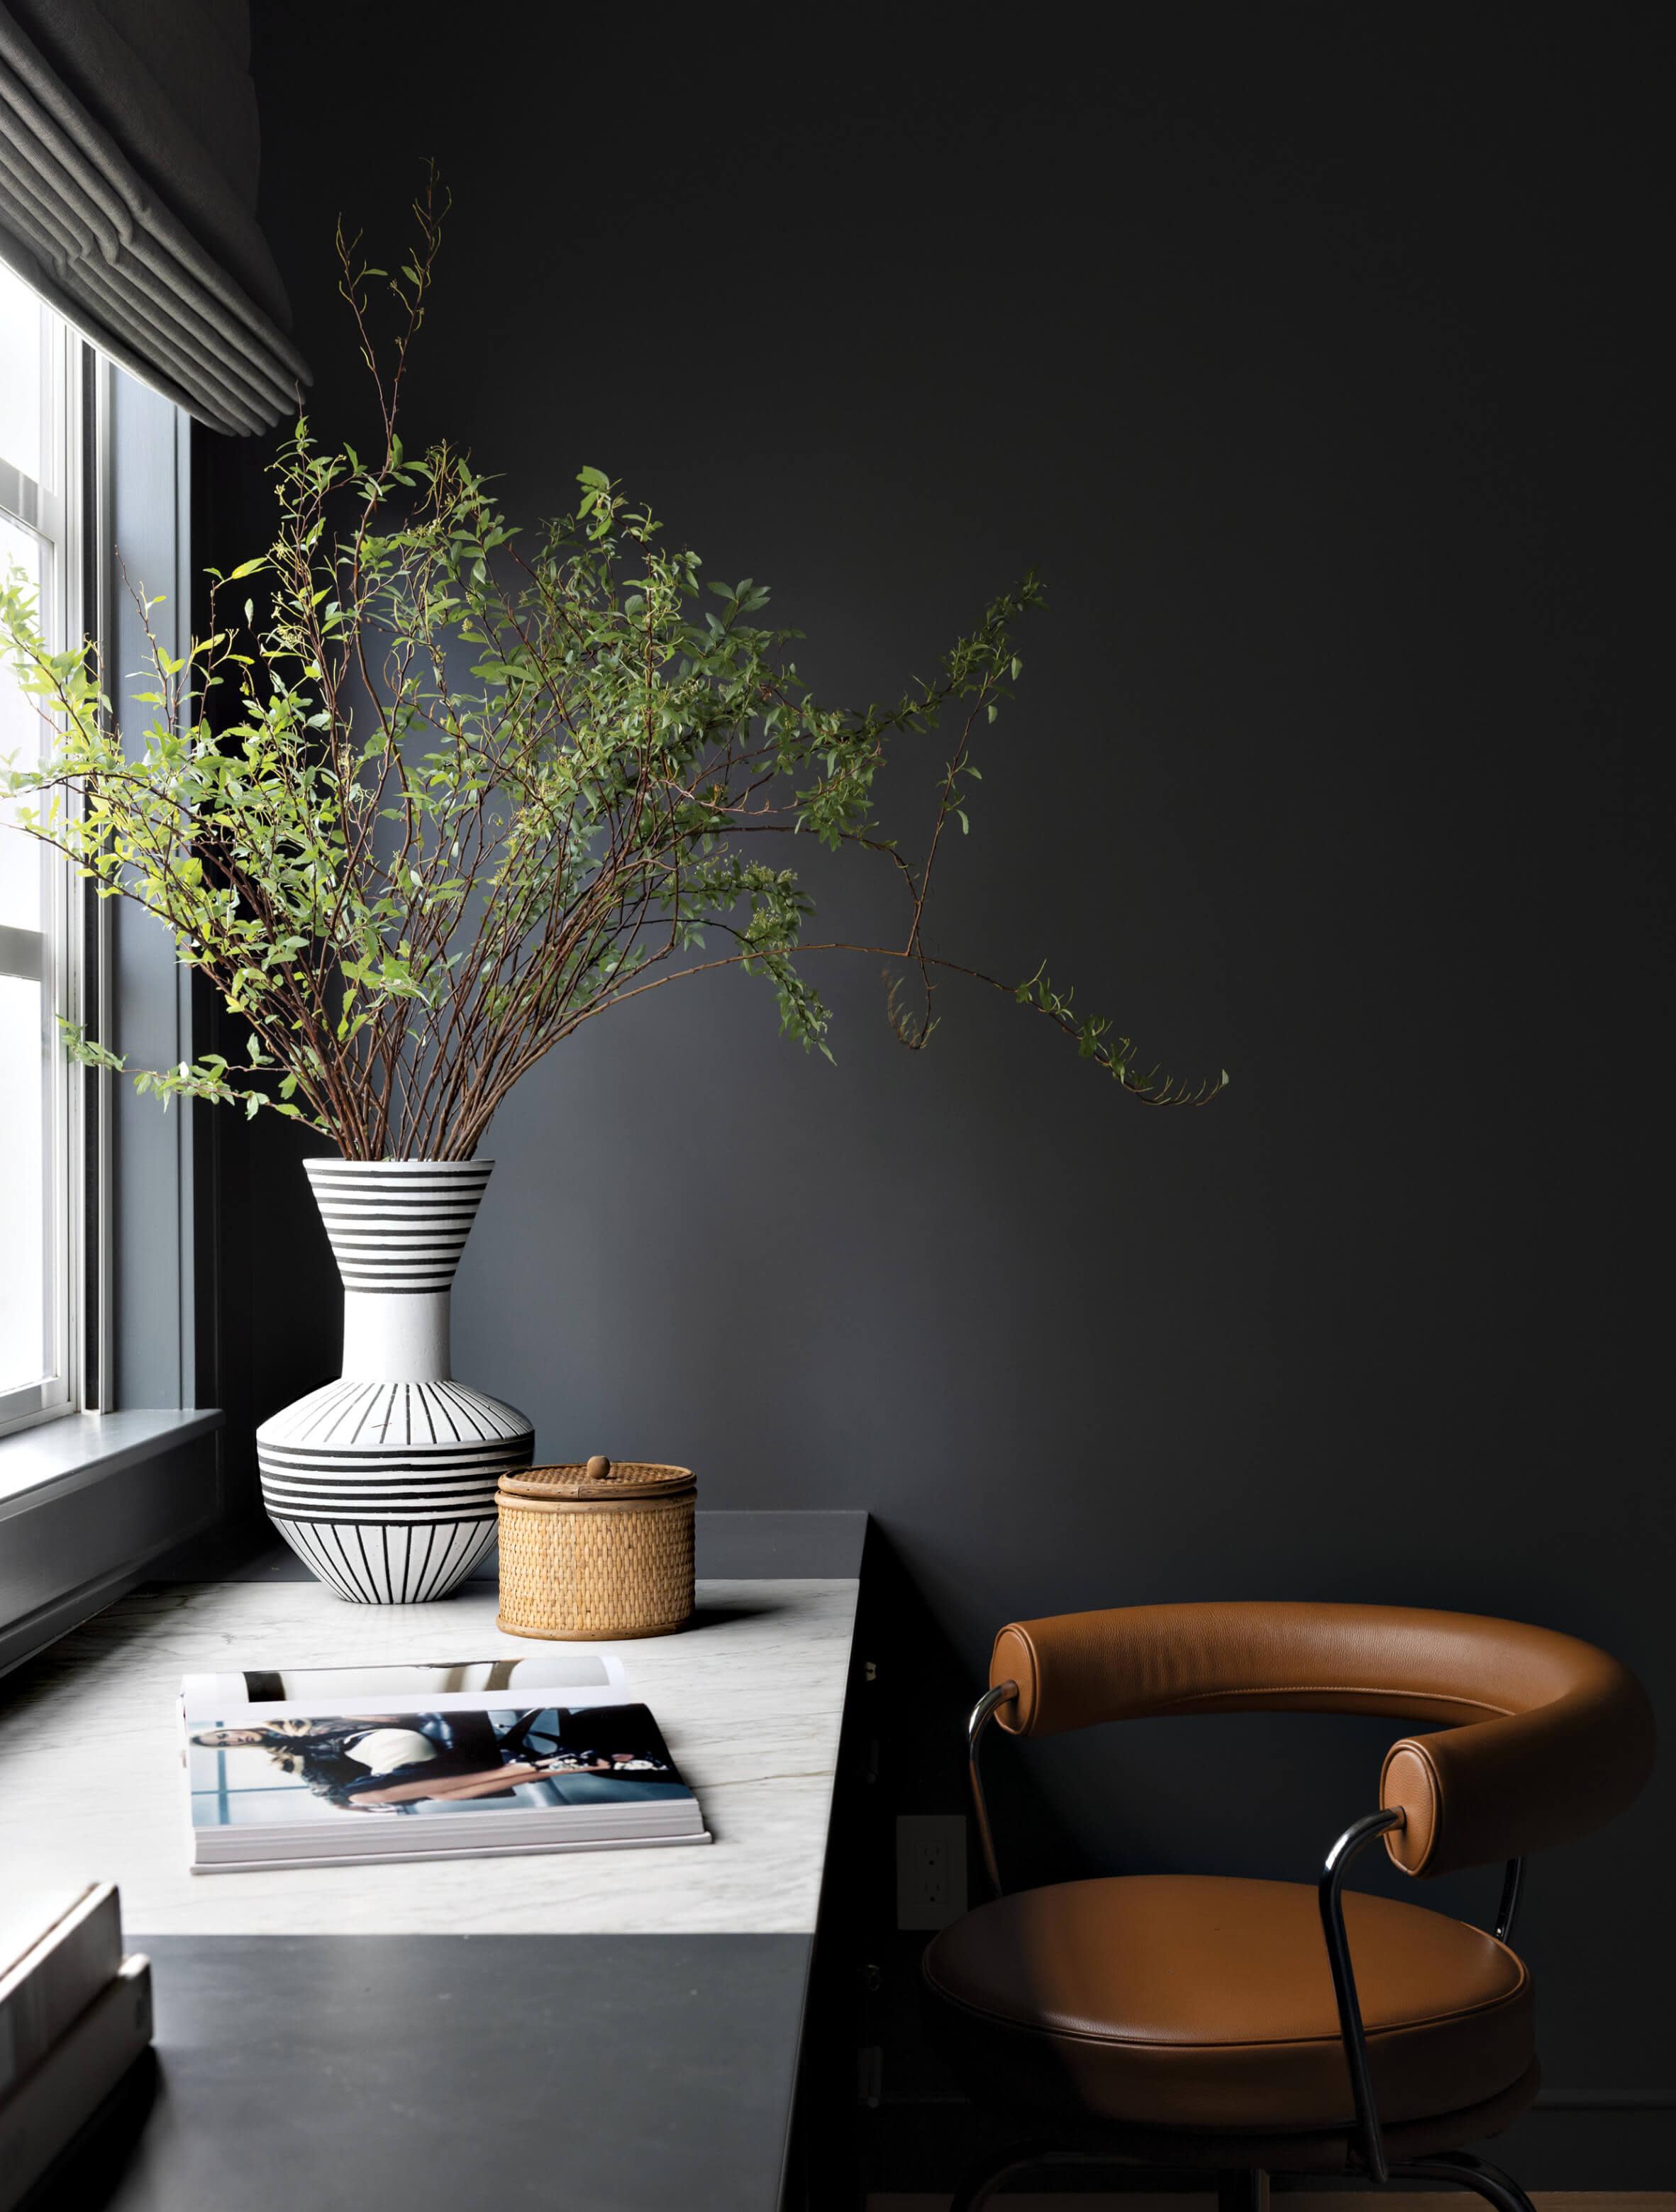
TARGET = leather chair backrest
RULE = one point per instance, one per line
(1541, 1737)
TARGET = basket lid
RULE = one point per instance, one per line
(601, 1477)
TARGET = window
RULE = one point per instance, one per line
(40, 484)
(107, 1459)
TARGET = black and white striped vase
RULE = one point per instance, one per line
(384, 1482)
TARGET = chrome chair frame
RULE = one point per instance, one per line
(1247, 2191)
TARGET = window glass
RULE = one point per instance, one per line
(22, 384)
(26, 1347)
(20, 737)
(35, 1259)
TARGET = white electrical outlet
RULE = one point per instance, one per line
(930, 1868)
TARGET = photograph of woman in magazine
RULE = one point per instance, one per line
(411, 1762)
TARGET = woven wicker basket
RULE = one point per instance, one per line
(595, 1551)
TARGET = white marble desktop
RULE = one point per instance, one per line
(750, 1700)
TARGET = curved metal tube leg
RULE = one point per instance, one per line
(983, 1712)
(1329, 1889)
(1488, 2181)
(981, 2184)
(1513, 1890)
(1244, 2189)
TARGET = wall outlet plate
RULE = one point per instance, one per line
(930, 1868)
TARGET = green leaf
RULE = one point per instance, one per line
(446, 806)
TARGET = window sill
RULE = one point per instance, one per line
(85, 1503)
(54, 1458)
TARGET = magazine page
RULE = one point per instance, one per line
(394, 1766)
(568, 1676)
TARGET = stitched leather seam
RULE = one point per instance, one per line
(1323, 2042)
(1416, 1746)
(1037, 1684)
(1028, 1690)
(1353, 1690)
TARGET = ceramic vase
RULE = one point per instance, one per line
(383, 1482)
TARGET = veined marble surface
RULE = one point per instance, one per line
(750, 1700)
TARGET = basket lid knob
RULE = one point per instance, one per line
(597, 1468)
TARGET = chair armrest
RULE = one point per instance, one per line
(1498, 1788)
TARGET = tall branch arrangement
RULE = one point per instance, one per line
(451, 795)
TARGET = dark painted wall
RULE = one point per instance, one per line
(1308, 354)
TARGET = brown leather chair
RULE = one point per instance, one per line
(1261, 2027)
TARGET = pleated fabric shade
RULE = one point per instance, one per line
(128, 167)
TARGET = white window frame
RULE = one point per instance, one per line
(120, 1463)
(59, 514)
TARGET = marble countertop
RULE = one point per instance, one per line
(749, 1699)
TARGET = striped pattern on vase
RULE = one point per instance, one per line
(398, 1233)
(384, 1482)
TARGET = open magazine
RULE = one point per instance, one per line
(464, 1759)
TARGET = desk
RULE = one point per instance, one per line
(595, 2029)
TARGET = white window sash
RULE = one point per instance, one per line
(53, 515)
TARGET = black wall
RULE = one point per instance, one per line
(1308, 353)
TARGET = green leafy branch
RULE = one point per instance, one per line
(431, 792)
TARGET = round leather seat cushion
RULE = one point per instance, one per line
(1207, 2001)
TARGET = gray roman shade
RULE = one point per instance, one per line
(128, 165)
